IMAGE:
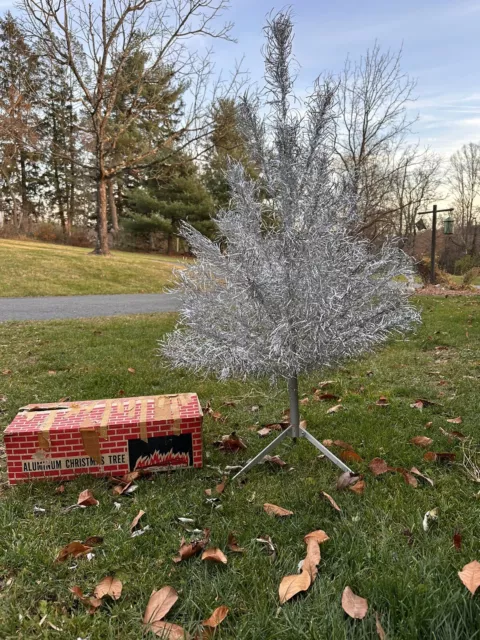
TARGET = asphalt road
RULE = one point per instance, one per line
(59, 307)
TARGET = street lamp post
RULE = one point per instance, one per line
(434, 212)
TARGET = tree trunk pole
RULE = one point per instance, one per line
(113, 206)
(294, 405)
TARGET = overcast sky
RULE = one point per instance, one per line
(441, 49)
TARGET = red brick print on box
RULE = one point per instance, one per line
(104, 437)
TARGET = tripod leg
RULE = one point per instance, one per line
(324, 450)
(259, 457)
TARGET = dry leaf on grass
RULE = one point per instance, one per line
(230, 443)
(274, 510)
(136, 520)
(433, 456)
(275, 461)
(265, 431)
(457, 435)
(419, 474)
(291, 585)
(168, 631)
(358, 487)
(335, 409)
(381, 633)
(91, 603)
(428, 424)
(382, 402)
(421, 441)
(343, 445)
(329, 499)
(86, 499)
(455, 420)
(109, 586)
(217, 617)
(347, 478)
(304, 400)
(60, 489)
(214, 554)
(131, 370)
(189, 549)
(268, 544)
(470, 576)
(378, 466)
(457, 540)
(325, 397)
(93, 541)
(159, 605)
(348, 456)
(353, 605)
(74, 549)
(233, 544)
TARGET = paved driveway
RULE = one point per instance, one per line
(56, 308)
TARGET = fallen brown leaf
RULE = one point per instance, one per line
(265, 431)
(319, 536)
(217, 416)
(6, 372)
(347, 478)
(470, 576)
(168, 631)
(159, 605)
(343, 445)
(86, 499)
(275, 461)
(74, 549)
(453, 434)
(109, 587)
(358, 487)
(325, 397)
(347, 456)
(93, 541)
(292, 585)
(353, 605)
(217, 617)
(189, 549)
(330, 500)
(457, 540)
(327, 443)
(378, 466)
(421, 441)
(60, 489)
(220, 488)
(335, 409)
(214, 554)
(455, 420)
(381, 633)
(428, 425)
(131, 370)
(432, 456)
(91, 603)
(136, 520)
(305, 400)
(230, 443)
(418, 473)
(382, 402)
(233, 544)
(274, 510)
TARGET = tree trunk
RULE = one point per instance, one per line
(102, 222)
(170, 244)
(294, 405)
(59, 198)
(113, 206)
(23, 183)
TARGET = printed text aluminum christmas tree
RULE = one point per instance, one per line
(289, 288)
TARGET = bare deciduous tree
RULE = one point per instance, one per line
(371, 127)
(464, 185)
(109, 33)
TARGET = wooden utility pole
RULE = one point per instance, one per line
(434, 212)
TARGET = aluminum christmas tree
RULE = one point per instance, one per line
(288, 288)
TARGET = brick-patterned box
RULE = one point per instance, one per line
(104, 437)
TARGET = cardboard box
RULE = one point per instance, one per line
(104, 437)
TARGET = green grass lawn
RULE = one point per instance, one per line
(411, 582)
(40, 269)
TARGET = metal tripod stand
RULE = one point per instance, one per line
(295, 431)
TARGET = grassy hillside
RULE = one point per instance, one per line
(377, 543)
(38, 269)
